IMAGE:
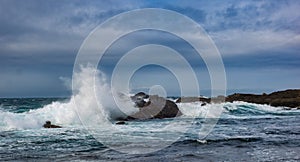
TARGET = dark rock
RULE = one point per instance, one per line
(192, 99)
(49, 125)
(120, 123)
(287, 98)
(140, 94)
(141, 99)
(218, 99)
(153, 107)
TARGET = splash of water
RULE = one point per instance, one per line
(91, 106)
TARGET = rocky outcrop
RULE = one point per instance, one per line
(49, 125)
(153, 107)
(205, 100)
(288, 98)
(192, 99)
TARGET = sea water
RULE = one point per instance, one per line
(244, 132)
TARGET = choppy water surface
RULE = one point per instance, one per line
(245, 132)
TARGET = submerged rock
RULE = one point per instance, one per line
(49, 125)
(153, 107)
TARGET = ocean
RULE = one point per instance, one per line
(237, 131)
(244, 132)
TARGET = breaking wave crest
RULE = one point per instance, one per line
(65, 113)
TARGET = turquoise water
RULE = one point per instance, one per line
(245, 132)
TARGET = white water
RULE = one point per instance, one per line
(237, 109)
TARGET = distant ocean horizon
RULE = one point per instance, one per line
(205, 93)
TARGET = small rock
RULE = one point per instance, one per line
(120, 123)
(49, 125)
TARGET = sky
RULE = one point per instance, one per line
(259, 42)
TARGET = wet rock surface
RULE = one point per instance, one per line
(153, 107)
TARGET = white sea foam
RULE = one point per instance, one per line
(264, 107)
(232, 110)
(193, 109)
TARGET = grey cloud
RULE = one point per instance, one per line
(40, 39)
